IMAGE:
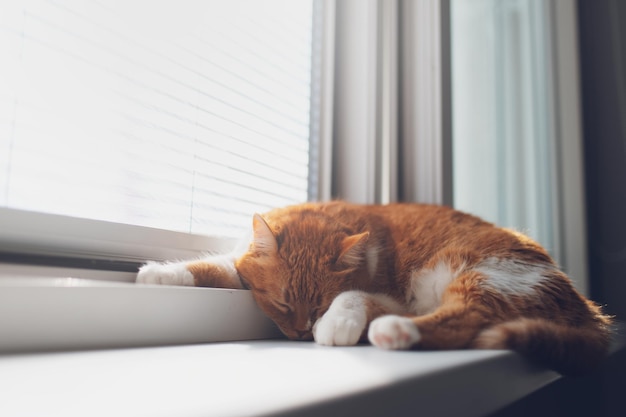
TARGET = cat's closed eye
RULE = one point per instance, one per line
(284, 308)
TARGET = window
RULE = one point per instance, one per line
(516, 121)
(188, 116)
(181, 115)
(502, 117)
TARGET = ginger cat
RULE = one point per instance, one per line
(405, 276)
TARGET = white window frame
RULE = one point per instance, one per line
(426, 129)
(392, 102)
(52, 235)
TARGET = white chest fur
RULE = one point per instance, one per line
(427, 287)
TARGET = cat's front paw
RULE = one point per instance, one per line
(338, 329)
(393, 332)
(165, 274)
(343, 323)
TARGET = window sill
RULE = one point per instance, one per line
(264, 378)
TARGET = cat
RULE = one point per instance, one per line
(405, 276)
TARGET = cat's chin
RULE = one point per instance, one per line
(299, 337)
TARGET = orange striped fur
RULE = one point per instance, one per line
(409, 276)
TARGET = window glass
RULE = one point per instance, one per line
(181, 115)
(503, 119)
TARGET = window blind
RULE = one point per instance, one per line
(180, 115)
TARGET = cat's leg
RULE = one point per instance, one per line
(165, 273)
(346, 320)
(465, 310)
(217, 271)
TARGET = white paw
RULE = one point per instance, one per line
(165, 274)
(343, 323)
(339, 328)
(393, 332)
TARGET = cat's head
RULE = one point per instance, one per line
(297, 263)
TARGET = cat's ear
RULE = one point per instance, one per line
(263, 239)
(353, 250)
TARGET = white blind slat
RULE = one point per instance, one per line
(187, 115)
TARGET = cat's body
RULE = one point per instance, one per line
(405, 276)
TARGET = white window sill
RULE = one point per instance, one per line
(264, 378)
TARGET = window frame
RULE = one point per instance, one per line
(392, 131)
(44, 235)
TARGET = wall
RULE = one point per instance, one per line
(603, 69)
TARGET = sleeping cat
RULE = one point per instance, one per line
(405, 276)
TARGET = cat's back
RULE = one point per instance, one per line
(409, 226)
(417, 214)
(405, 217)
(433, 225)
(427, 229)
